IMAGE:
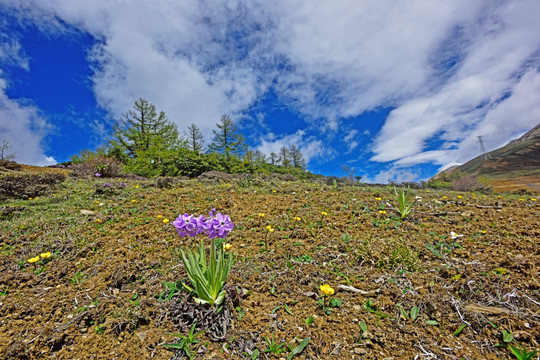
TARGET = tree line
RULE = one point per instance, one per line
(147, 143)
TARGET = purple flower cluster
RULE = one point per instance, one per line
(214, 226)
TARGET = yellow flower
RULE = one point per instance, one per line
(133, 201)
(326, 290)
(227, 246)
(484, 231)
(499, 197)
(33, 260)
(460, 197)
(427, 190)
(378, 198)
(269, 228)
(29, 198)
(274, 191)
(260, 215)
(521, 199)
(324, 213)
(165, 220)
(45, 255)
(297, 218)
(456, 277)
(98, 220)
(382, 212)
(136, 186)
(159, 216)
(445, 197)
(533, 199)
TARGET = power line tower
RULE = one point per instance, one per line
(485, 154)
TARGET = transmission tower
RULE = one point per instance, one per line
(485, 154)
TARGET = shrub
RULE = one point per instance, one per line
(470, 183)
(9, 165)
(89, 165)
(27, 186)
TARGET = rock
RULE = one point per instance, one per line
(360, 351)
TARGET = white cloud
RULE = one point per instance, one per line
(309, 146)
(24, 129)
(494, 93)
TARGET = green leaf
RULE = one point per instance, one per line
(334, 302)
(309, 320)
(507, 336)
(297, 350)
(414, 312)
(460, 329)
(363, 327)
(287, 309)
(432, 322)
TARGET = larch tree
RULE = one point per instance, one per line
(195, 138)
(227, 140)
(141, 129)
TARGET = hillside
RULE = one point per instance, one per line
(511, 167)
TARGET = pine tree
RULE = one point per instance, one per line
(227, 140)
(142, 128)
(195, 139)
(284, 157)
(296, 157)
(274, 158)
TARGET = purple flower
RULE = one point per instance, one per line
(218, 226)
(123, 184)
(107, 185)
(97, 174)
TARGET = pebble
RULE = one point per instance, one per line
(360, 351)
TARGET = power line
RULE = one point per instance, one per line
(485, 154)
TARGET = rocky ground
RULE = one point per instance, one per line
(404, 288)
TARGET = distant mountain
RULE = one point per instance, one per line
(511, 167)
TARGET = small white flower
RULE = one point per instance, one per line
(453, 235)
(418, 198)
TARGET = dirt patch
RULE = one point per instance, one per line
(403, 288)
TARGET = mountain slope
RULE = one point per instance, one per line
(513, 166)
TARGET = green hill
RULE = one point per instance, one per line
(515, 165)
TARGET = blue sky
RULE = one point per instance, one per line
(394, 90)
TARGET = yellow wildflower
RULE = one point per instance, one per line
(274, 191)
(45, 255)
(269, 228)
(33, 260)
(297, 218)
(521, 199)
(326, 290)
(445, 197)
(484, 231)
(98, 220)
(136, 186)
(533, 199)
(378, 198)
(227, 246)
(382, 212)
(260, 215)
(456, 277)
(165, 220)
(460, 197)
(133, 201)
(324, 213)
(159, 216)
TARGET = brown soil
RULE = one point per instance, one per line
(98, 296)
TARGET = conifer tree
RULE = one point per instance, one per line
(195, 139)
(141, 129)
(227, 140)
